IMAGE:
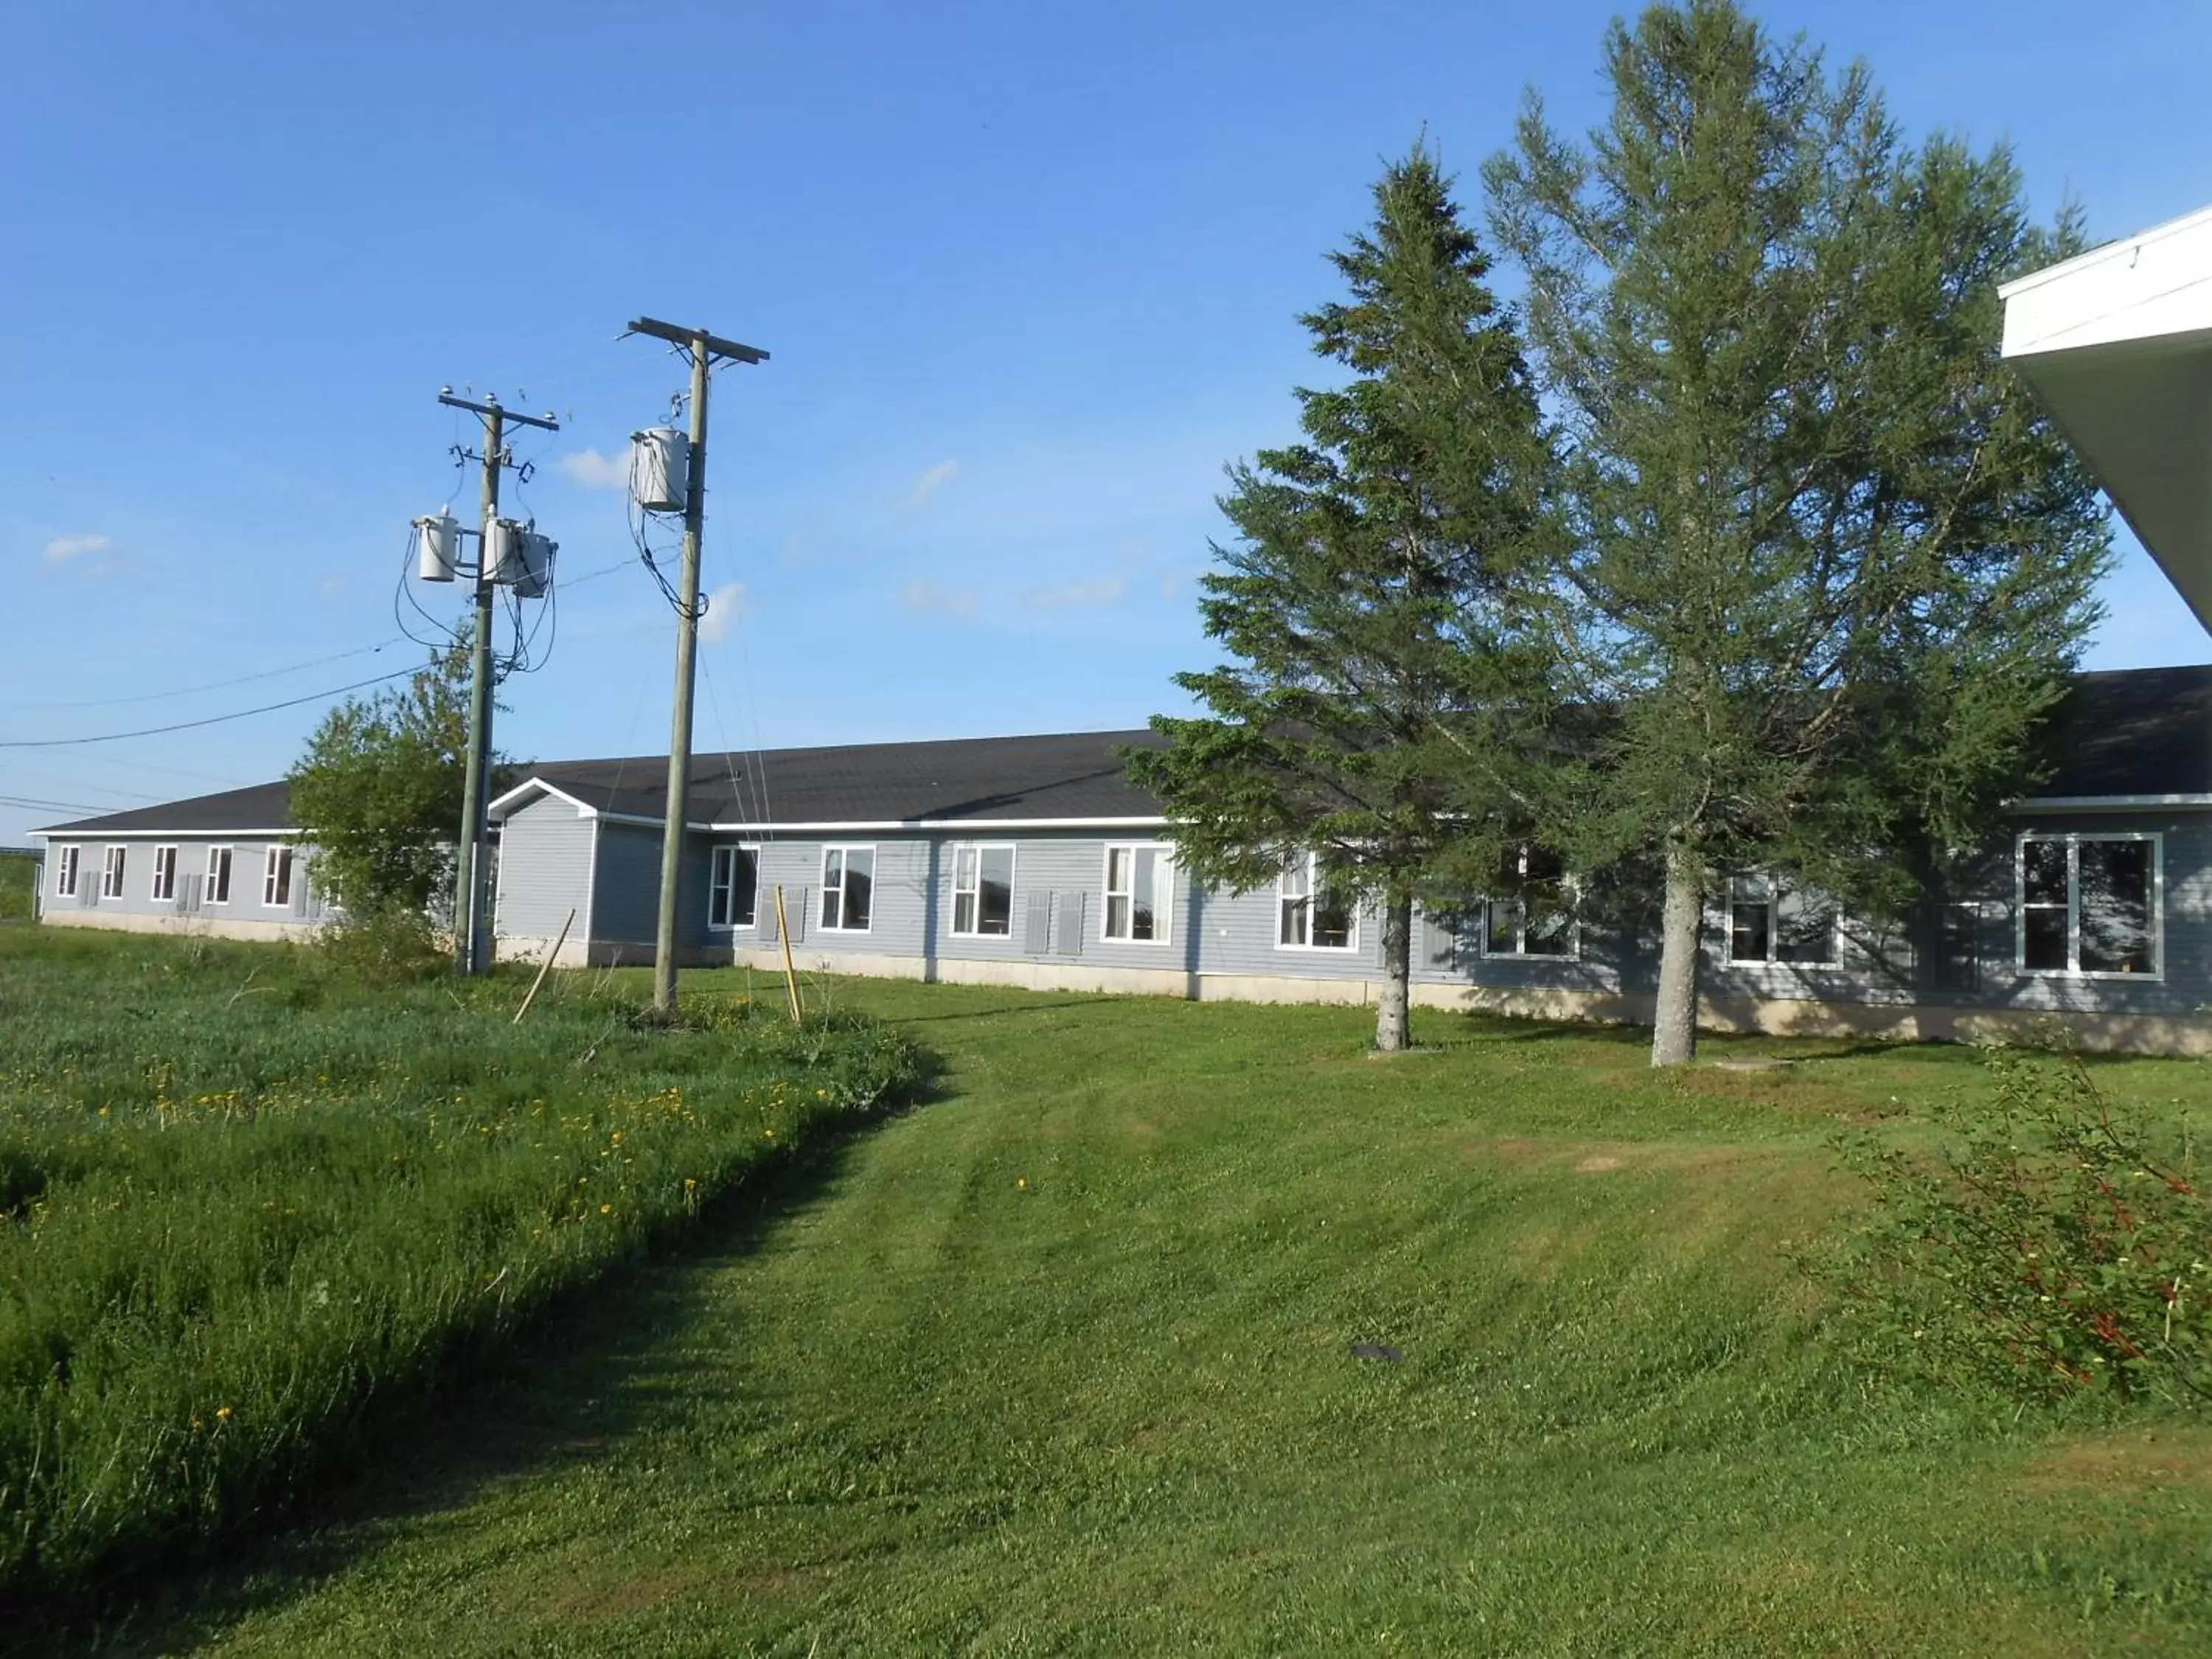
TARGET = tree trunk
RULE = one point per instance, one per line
(1674, 1028)
(1390, 1021)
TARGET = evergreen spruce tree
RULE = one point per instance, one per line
(1829, 564)
(1367, 598)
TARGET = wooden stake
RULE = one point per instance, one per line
(544, 967)
(790, 973)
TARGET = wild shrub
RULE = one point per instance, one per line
(390, 945)
(2052, 1247)
(251, 1216)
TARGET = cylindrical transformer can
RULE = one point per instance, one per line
(502, 550)
(437, 548)
(536, 575)
(661, 468)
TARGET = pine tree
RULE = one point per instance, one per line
(1829, 564)
(1367, 598)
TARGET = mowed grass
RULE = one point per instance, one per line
(1062, 1363)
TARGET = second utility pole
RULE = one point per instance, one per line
(704, 349)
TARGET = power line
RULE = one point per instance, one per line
(212, 720)
(56, 806)
(212, 685)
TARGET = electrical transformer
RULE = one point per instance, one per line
(536, 575)
(661, 468)
(502, 550)
(438, 547)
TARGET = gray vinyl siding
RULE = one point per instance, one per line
(190, 901)
(544, 871)
(1448, 951)
(626, 895)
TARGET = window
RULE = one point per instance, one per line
(848, 888)
(165, 874)
(1540, 922)
(733, 886)
(277, 877)
(1769, 922)
(1139, 891)
(982, 892)
(2089, 905)
(111, 874)
(216, 889)
(1312, 915)
(65, 871)
(1958, 946)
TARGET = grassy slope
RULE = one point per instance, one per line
(1058, 1364)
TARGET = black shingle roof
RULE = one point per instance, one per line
(2126, 732)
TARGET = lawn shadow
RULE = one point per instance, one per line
(594, 1368)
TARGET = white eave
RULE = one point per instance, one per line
(2117, 342)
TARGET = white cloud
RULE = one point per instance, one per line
(62, 549)
(333, 586)
(727, 604)
(590, 470)
(1079, 596)
(922, 594)
(931, 482)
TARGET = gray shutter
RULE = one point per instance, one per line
(299, 889)
(185, 888)
(1036, 934)
(794, 912)
(765, 914)
(88, 889)
(1067, 925)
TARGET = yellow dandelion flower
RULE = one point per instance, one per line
(606, 1209)
(1022, 1182)
(222, 1414)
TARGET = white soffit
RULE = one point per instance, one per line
(2117, 344)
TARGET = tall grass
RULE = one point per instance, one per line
(253, 1211)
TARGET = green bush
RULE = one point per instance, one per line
(392, 945)
(252, 1214)
(2051, 1248)
(19, 881)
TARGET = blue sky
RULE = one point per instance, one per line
(1029, 274)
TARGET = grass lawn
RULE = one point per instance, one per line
(1060, 1362)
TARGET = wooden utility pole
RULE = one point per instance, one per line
(471, 926)
(705, 351)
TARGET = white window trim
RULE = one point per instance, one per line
(1774, 932)
(113, 867)
(714, 857)
(1162, 906)
(2073, 838)
(70, 863)
(270, 864)
(153, 893)
(1350, 945)
(208, 895)
(1013, 865)
(875, 864)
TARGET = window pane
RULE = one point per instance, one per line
(2043, 936)
(1502, 928)
(1334, 920)
(1117, 915)
(964, 913)
(718, 889)
(1292, 930)
(1804, 928)
(1144, 922)
(2116, 907)
(1298, 879)
(1747, 930)
(860, 887)
(2043, 872)
(1117, 870)
(1957, 947)
(997, 905)
(744, 885)
(1551, 932)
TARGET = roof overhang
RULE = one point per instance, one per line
(2117, 342)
